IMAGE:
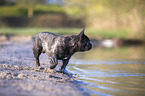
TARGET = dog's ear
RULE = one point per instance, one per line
(80, 36)
(82, 32)
(76, 39)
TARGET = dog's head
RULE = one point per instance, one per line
(81, 42)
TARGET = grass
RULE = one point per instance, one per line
(108, 33)
(92, 33)
(35, 31)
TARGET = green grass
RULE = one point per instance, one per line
(92, 33)
(35, 31)
(107, 33)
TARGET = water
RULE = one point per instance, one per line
(101, 71)
(111, 71)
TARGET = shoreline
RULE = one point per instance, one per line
(19, 76)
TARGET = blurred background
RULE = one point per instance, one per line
(116, 64)
(107, 19)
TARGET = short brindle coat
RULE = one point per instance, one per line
(59, 47)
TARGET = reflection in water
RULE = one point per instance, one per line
(107, 72)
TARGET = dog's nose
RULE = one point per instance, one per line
(90, 46)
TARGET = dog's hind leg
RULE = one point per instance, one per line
(36, 53)
(37, 49)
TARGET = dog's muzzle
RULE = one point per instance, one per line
(89, 46)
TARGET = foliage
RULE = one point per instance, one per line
(18, 10)
(55, 9)
(12, 11)
(114, 15)
(110, 14)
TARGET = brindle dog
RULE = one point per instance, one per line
(58, 47)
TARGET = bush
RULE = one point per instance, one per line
(18, 10)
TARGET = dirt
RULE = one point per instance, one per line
(19, 76)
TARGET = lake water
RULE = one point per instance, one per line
(111, 71)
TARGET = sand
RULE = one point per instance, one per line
(20, 77)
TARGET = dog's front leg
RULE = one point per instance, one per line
(53, 61)
(65, 62)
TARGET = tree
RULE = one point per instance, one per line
(109, 14)
(29, 5)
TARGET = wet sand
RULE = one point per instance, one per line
(19, 76)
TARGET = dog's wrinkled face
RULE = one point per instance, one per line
(83, 42)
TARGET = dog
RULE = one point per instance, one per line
(59, 47)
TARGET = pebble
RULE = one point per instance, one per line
(22, 76)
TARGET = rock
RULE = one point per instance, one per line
(41, 68)
(22, 76)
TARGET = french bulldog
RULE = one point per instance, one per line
(59, 47)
